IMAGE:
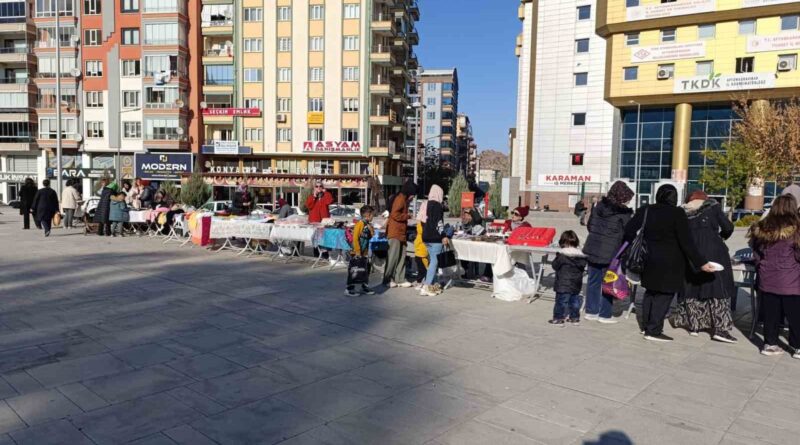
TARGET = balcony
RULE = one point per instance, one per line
(383, 116)
(217, 26)
(163, 42)
(177, 7)
(217, 53)
(383, 22)
(14, 84)
(381, 53)
(166, 139)
(381, 146)
(413, 10)
(14, 55)
(380, 84)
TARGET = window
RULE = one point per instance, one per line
(47, 66)
(350, 134)
(352, 11)
(130, 5)
(163, 63)
(46, 35)
(789, 22)
(584, 12)
(130, 36)
(253, 14)
(162, 129)
(47, 97)
(253, 75)
(94, 99)
(706, 31)
(668, 35)
(316, 43)
(284, 74)
(253, 45)
(668, 68)
(48, 130)
(431, 87)
(747, 27)
(253, 134)
(130, 99)
(431, 101)
(162, 34)
(47, 8)
(744, 64)
(91, 7)
(317, 12)
(578, 119)
(581, 79)
(218, 75)
(284, 135)
(631, 3)
(284, 14)
(631, 72)
(316, 134)
(351, 74)
(94, 68)
(631, 39)
(94, 129)
(430, 129)
(704, 68)
(316, 74)
(789, 60)
(316, 104)
(284, 44)
(430, 115)
(350, 104)
(91, 37)
(582, 46)
(132, 130)
(351, 43)
(284, 105)
(164, 6)
(254, 103)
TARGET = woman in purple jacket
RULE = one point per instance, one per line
(776, 247)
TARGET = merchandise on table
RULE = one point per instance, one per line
(246, 228)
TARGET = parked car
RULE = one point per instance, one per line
(342, 211)
(265, 207)
(15, 204)
(216, 206)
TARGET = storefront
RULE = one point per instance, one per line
(14, 169)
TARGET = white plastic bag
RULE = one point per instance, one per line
(514, 286)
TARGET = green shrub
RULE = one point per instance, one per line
(747, 220)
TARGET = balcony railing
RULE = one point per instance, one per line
(153, 73)
(53, 14)
(162, 42)
(216, 22)
(219, 52)
(15, 50)
(18, 139)
(163, 137)
(13, 19)
(50, 103)
(381, 48)
(165, 9)
(219, 81)
(53, 135)
(160, 105)
(52, 75)
(16, 80)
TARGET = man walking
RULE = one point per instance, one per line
(45, 206)
(26, 194)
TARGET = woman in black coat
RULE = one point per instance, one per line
(706, 302)
(670, 251)
(26, 194)
(45, 206)
(103, 209)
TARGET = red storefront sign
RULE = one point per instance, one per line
(331, 147)
(241, 112)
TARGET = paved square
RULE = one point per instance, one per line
(126, 340)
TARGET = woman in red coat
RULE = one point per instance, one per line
(318, 203)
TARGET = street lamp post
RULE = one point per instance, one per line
(637, 158)
(59, 165)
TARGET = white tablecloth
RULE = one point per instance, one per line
(498, 255)
(304, 234)
(222, 228)
(138, 216)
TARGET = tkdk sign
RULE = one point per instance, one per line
(165, 166)
(728, 82)
(331, 147)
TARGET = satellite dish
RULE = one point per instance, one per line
(229, 43)
(76, 72)
(203, 104)
(179, 130)
(180, 103)
(75, 39)
(78, 137)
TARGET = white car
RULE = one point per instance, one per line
(342, 211)
(216, 206)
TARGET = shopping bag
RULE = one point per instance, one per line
(615, 282)
(57, 220)
(514, 286)
(447, 258)
(358, 271)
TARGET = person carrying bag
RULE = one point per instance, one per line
(358, 268)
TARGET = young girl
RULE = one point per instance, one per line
(362, 233)
(776, 247)
(569, 265)
(420, 257)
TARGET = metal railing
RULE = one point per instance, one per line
(160, 105)
(42, 75)
(163, 136)
(16, 80)
(15, 50)
(218, 81)
(162, 42)
(381, 48)
(218, 22)
(221, 52)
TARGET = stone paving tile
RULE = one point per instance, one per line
(478, 433)
(155, 439)
(59, 432)
(134, 384)
(206, 366)
(186, 435)
(642, 427)
(530, 426)
(74, 349)
(82, 396)
(485, 383)
(145, 355)
(9, 421)
(392, 375)
(608, 378)
(250, 354)
(196, 401)
(69, 371)
(38, 407)
(478, 345)
(243, 387)
(337, 396)
(208, 340)
(6, 390)
(18, 359)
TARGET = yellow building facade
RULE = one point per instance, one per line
(675, 68)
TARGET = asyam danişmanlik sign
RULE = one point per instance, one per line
(670, 9)
(670, 51)
(726, 82)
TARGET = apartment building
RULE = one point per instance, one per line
(438, 92)
(675, 67)
(466, 152)
(562, 145)
(313, 89)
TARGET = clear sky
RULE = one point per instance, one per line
(478, 38)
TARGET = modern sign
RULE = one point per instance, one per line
(670, 51)
(563, 179)
(226, 147)
(331, 147)
(16, 177)
(163, 166)
(316, 117)
(777, 42)
(672, 9)
(726, 82)
(240, 112)
(756, 3)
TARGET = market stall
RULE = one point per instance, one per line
(250, 229)
(332, 240)
(289, 237)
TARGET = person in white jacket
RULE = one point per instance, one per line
(70, 200)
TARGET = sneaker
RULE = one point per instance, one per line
(591, 316)
(392, 284)
(405, 284)
(796, 354)
(350, 293)
(607, 320)
(419, 286)
(574, 321)
(659, 338)
(47, 233)
(367, 291)
(694, 334)
(428, 291)
(772, 350)
(724, 337)
(554, 321)
(486, 280)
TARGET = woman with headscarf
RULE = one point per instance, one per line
(26, 194)
(101, 214)
(706, 302)
(284, 209)
(394, 275)
(606, 230)
(670, 251)
(431, 215)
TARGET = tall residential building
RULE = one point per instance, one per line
(438, 89)
(466, 152)
(295, 90)
(564, 132)
(674, 68)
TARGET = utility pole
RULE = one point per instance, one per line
(58, 104)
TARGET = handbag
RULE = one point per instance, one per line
(635, 256)
(446, 258)
(56, 219)
(615, 283)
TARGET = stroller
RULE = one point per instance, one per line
(89, 226)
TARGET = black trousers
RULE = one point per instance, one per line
(774, 308)
(655, 306)
(26, 218)
(104, 229)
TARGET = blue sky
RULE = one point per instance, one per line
(477, 37)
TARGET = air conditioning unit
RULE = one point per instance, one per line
(281, 118)
(785, 65)
(663, 74)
